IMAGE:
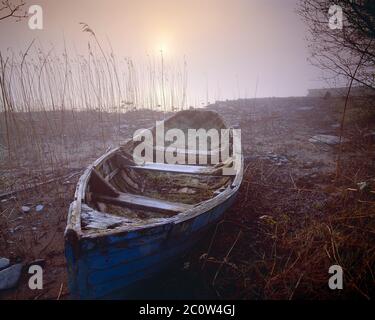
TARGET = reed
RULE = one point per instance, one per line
(51, 101)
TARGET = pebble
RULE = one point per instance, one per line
(9, 277)
(25, 209)
(39, 207)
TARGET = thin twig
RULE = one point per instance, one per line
(226, 257)
(60, 291)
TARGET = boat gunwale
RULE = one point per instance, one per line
(74, 215)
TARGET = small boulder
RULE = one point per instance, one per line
(4, 262)
(9, 277)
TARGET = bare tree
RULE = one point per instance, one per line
(347, 53)
(12, 9)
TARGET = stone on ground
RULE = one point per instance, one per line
(4, 262)
(9, 277)
(25, 209)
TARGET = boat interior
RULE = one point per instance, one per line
(120, 192)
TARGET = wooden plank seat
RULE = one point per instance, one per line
(207, 153)
(177, 168)
(141, 202)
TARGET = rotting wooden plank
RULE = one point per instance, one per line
(112, 174)
(141, 202)
(92, 219)
(176, 168)
(100, 185)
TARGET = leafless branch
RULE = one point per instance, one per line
(338, 52)
(12, 9)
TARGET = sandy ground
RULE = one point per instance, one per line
(285, 174)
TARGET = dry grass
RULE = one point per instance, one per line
(294, 229)
(284, 256)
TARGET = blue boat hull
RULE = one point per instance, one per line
(111, 265)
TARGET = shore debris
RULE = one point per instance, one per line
(278, 159)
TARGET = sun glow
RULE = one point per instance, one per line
(163, 44)
(164, 48)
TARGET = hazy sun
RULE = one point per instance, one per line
(163, 44)
(163, 47)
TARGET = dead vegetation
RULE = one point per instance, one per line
(287, 232)
(291, 221)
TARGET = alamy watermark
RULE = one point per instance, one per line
(36, 280)
(336, 17)
(35, 17)
(336, 281)
(213, 143)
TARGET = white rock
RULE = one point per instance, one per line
(9, 277)
(39, 207)
(4, 262)
(25, 209)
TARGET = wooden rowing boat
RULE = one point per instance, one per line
(128, 222)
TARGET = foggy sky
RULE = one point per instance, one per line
(228, 44)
